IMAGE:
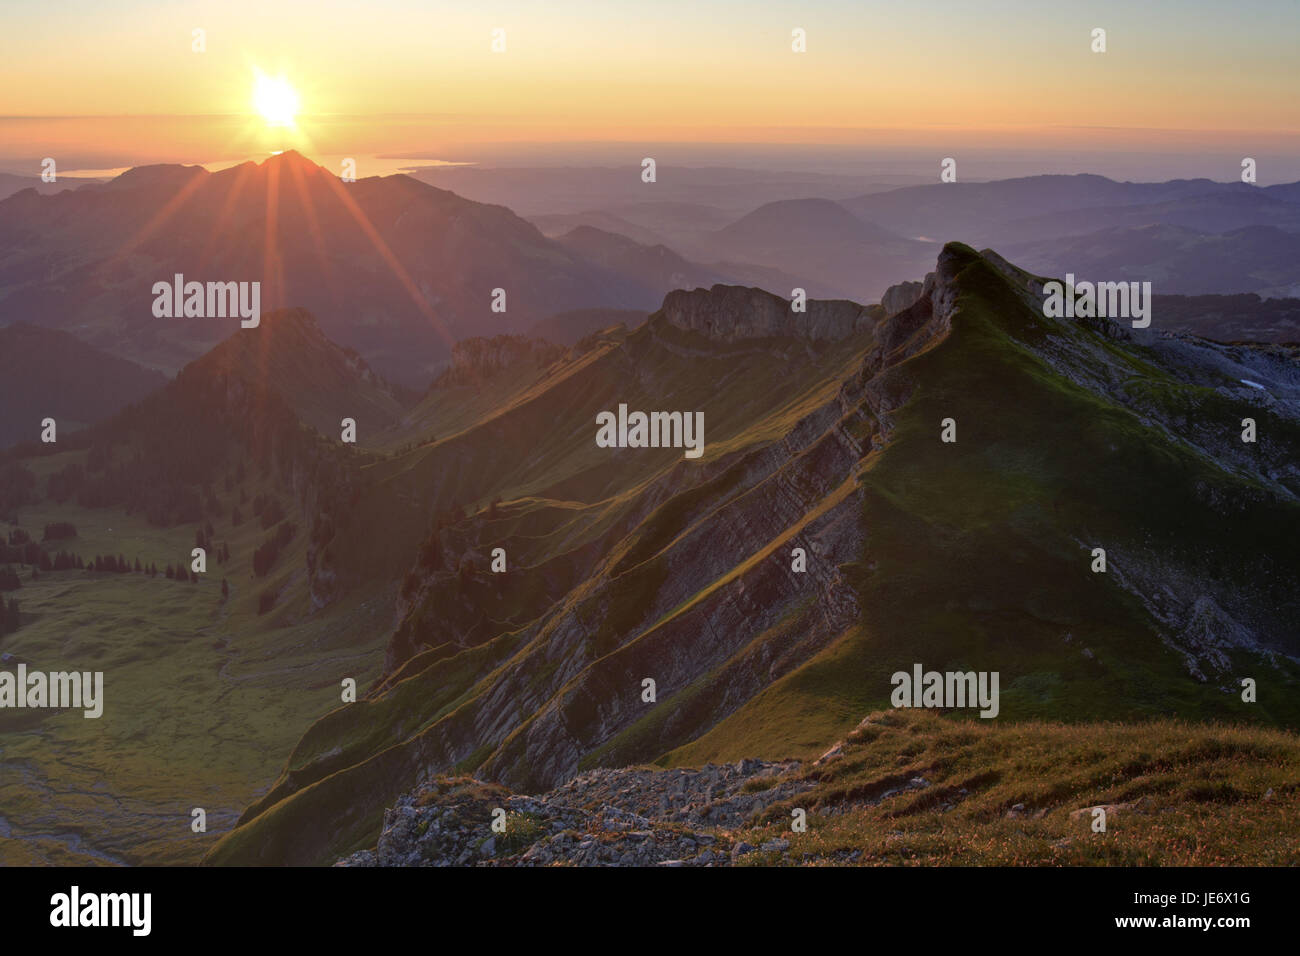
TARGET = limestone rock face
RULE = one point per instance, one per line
(478, 358)
(901, 296)
(732, 313)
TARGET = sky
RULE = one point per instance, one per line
(117, 83)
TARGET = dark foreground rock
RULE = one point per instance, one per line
(629, 817)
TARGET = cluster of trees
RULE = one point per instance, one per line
(20, 549)
(157, 458)
(163, 506)
(118, 565)
(58, 530)
(269, 510)
(61, 561)
(203, 538)
(182, 573)
(105, 563)
(17, 488)
(63, 484)
(429, 558)
(266, 553)
(10, 618)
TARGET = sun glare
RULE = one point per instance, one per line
(275, 99)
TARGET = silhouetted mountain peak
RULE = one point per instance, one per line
(288, 354)
(824, 218)
(291, 160)
(281, 333)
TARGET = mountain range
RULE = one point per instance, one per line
(394, 268)
(1188, 237)
(400, 270)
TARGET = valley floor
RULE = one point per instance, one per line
(202, 701)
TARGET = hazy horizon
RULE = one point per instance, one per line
(880, 87)
(902, 165)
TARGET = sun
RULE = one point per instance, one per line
(275, 99)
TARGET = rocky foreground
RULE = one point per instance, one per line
(630, 817)
(905, 788)
(638, 816)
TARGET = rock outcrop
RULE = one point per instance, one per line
(601, 818)
(728, 313)
(478, 358)
(901, 296)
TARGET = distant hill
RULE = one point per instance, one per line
(1176, 260)
(981, 212)
(1187, 237)
(50, 373)
(1217, 212)
(322, 382)
(1243, 317)
(257, 418)
(656, 267)
(828, 250)
(549, 190)
(10, 184)
(558, 224)
(802, 220)
(684, 227)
